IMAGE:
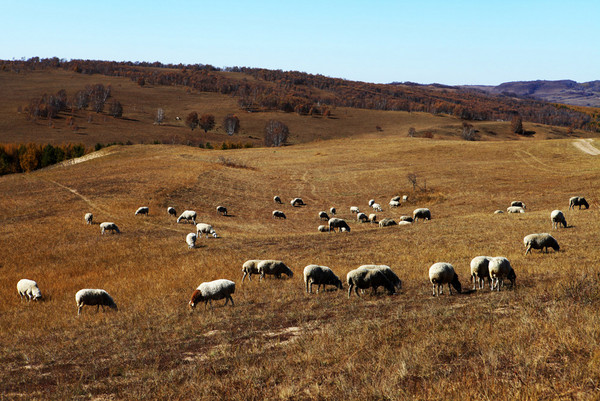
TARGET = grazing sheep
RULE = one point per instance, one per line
(332, 210)
(395, 199)
(480, 271)
(354, 209)
(405, 198)
(515, 209)
(29, 289)
(213, 291)
(389, 274)
(108, 226)
(540, 241)
(367, 278)
(341, 224)
(373, 218)
(222, 210)
(518, 204)
(279, 214)
(187, 216)
(377, 207)
(323, 215)
(361, 217)
(406, 218)
(394, 203)
(172, 211)
(499, 269)
(273, 267)
(578, 201)
(387, 222)
(93, 297)
(422, 213)
(297, 202)
(371, 202)
(88, 218)
(203, 228)
(443, 273)
(404, 223)
(499, 212)
(142, 210)
(277, 199)
(557, 217)
(249, 268)
(323, 229)
(320, 275)
(190, 239)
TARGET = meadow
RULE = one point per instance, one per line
(540, 340)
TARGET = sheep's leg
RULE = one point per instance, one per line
(441, 289)
(475, 281)
(350, 289)
(528, 249)
(79, 307)
(450, 288)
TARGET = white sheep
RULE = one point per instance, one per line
(213, 291)
(540, 241)
(404, 198)
(354, 209)
(109, 226)
(332, 210)
(387, 222)
(389, 274)
(277, 199)
(88, 218)
(323, 228)
(361, 217)
(29, 289)
(320, 275)
(187, 216)
(190, 239)
(222, 210)
(93, 297)
(373, 218)
(443, 273)
(377, 207)
(323, 215)
(142, 210)
(578, 201)
(279, 214)
(340, 224)
(480, 271)
(518, 204)
(171, 211)
(406, 218)
(297, 202)
(421, 213)
(249, 268)
(394, 203)
(203, 228)
(273, 267)
(395, 199)
(515, 209)
(557, 217)
(404, 223)
(371, 202)
(363, 278)
(500, 269)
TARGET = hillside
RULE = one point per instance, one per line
(536, 341)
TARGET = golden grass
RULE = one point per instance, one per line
(539, 341)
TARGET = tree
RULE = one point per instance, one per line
(116, 109)
(468, 132)
(192, 120)
(207, 122)
(412, 132)
(276, 133)
(231, 124)
(516, 125)
(160, 116)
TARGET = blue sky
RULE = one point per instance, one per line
(449, 42)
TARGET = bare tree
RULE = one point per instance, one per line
(160, 116)
(116, 109)
(468, 132)
(276, 133)
(207, 122)
(231, 124)
(412, 178)
(516, 125)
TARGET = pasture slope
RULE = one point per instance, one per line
(538, 341)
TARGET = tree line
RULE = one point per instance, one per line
(19, 158)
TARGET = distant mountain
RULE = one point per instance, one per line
(564, 91)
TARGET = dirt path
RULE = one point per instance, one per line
(585, 145)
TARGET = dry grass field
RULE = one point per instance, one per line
(539, 341)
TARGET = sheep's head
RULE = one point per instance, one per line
(456, 283)
(196, 297)
(512, 276)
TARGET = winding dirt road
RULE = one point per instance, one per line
(585, 145)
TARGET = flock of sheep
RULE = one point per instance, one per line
(495, 269)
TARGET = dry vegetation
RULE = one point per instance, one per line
(539, 341)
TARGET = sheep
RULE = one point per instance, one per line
(557, 217)
(389, 274)
(540, 241)
(387, 222)
(93, 297)
(323, 228)
(323, 215)
(515, 209)
(273, 267)
(361, 217)
(367, 278)
(406, 218)
(142, 210)
(213, 291)
(187, 216)
(297, 202)
(443, 273)
(518, 204)
(109, 226)
(222, 210)
(373, 218)
(279, 214)
(405, 198)
(499, 212)
(480, 271)
(249, 268)
(320, 275)
(377, 207)
(203, 228)
(578, 201)
(332, 210)
(422, 213)
(190, 239)
(88, 218)
(171, 211)
(29, 289)
(395, 199)
(394, 203)
(404, 223)
(500, 268)
(354, 209)
(277, 199)
(371, 202)
(341, 224)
